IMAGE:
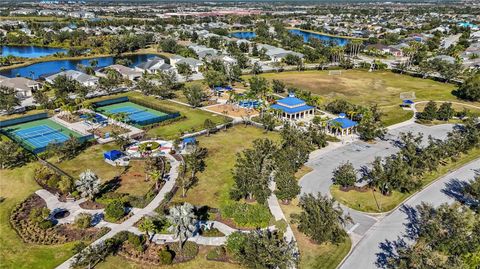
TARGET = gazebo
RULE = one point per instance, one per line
(293, 108)
(342, 125)
(188, 141)
(112, 155)
(407, 103)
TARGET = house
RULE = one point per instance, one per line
(445, 58)
(82, 78)
(51, 12)
(24, 11)
(384, 49)
(225, 59)
(24, 87)
(277, 54)
(293, 108)
(193, 63)
(153, 65)
(126, 72)
(203, 51)
(81, 14)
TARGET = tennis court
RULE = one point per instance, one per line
(36, 135)
(136, 114)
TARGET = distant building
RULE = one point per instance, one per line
(153, 65)
(193, 63)
(24, 87)
(82, 78)
(81, 14)
(126, 72)
(23, 11)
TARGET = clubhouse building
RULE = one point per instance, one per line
(293, 108)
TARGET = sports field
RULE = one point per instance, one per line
(136, 114)
(36, 135)
(367, 88)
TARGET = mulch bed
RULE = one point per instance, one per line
(359, 189)
(59, 234)
(89, 204)
(150, 254)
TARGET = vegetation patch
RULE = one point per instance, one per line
(155, 254)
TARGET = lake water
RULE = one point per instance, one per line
(49, 68)
(306, 36)
(29, 51)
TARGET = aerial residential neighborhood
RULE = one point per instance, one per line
(237, 135)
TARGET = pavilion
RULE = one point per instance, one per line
(342, 125)
(407, 103)
(293, 108)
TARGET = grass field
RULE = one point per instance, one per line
(23, 114)
(216, 181)
(15, 186)
(367, 88)
(312, 256)
(455, 106)
(199, 262)
(91, 158)
(364, 201)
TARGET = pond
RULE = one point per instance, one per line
(44, 69)
(29, 51)
(243, 35)
(307, 35)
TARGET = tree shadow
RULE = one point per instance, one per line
(388, 251)
(411, 226)
(456, 190)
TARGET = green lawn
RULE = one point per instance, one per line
(216, 181)
(365, 201)
(91, 158)
(15, 186)
(368, 88)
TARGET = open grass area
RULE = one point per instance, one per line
(364, 201)
(368, 88)
(91, 158)
(199, 262)
(15, 186)
(325, 256)
(216, 181)
(457, 107)
(22, 114)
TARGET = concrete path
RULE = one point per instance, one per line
(277, 213)
(364, 254)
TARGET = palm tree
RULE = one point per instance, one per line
(68, 109)
(88, 184)
(148, 227)
(183, 222)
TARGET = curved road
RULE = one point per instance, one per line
(392, 226)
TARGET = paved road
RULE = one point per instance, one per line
(359, 153)
(392, 226)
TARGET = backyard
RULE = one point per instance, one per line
(367, 88)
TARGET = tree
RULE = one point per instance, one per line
(12, 155)
(470, 89)
(344, 175)
(88, 184)
(115, 210)
(146, 86)
(321, 220)
(256, 68)
(83, 220)
(215, 78)
(445, 112)
(8, 99)
(286, 183)
(278, 86)
(259, 86)
(149, 227)
(209, 126)
(252, 171)
(183, 220)
(472, 191)
(429, 112)
(185, 70)
(194, 163)
(194, 94)
(370, 126)
(264, 249)
(41, 98)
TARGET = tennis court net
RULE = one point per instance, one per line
(136, 112)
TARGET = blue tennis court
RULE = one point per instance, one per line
(42, 135)
(136, 114)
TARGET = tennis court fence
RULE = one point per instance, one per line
(15, 121)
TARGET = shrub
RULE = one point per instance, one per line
(216, 253)
(78, 247)
(166, 257)
(115, 210)
(247, 215)
(45, 224)
(190, 249)
(235, 243)
(83, 220)
(136, 241)
(38, 215)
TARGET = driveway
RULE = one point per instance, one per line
(360, 153)
(364, 254)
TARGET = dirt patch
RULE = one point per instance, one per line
(233, 110)
(150, 254)
(89, 204)
(359, 189)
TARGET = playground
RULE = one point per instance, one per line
(150, 148)
(233, 110)
(36, 135)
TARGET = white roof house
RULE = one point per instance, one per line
(193, 63)
(24, 87)
(153, 65)
(126, 72)
(82, 78)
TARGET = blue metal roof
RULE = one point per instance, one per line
(345, 123)
(289, 110)
(189, 140)
(409, 102)
(291, 101)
